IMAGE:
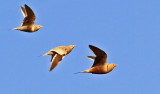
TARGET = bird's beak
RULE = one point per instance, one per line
(72, 46)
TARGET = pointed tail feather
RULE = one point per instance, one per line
(44, 54)
(78, 72)
(86, 71)
(14, 29)
(41, 55)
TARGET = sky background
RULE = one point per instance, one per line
(127, 30)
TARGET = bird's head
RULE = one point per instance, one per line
(114, 65)
(69, 48)
(39, 26)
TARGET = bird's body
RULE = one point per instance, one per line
(28, 28)
(102, 69)
(28, 22)
(58, 54)
(100, 65)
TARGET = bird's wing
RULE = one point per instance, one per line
(30, 18)
(23, 11)
(52, 56)
(97, 51)
(91, 57)
(101, 56)
(55, 60)
(99, 61)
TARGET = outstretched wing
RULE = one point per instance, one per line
(101, 56)
(30, 16)
(97, 51)
(56, 58)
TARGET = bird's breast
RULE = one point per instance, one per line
(99, 70)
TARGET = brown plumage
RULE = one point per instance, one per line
(28, 21)
(58, 54)
(100, 65)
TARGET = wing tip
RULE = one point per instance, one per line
(90, 45)
(25, 4)
(51, 69)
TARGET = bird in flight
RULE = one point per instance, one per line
(28, 21)
(100, 65)
(58, 54)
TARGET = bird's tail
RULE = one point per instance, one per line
(49, 53)
(78, 72)
(86, 71)
(14, 29)
(44, 54)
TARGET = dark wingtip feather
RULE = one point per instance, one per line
(91, 46)
(26, 6)
(77, 72)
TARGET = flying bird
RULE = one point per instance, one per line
(100, 65)
(28, 21)
(58, 54)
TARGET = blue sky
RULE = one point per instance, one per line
(127, 30)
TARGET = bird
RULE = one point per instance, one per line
(58, 54)
(28, 21)
(100, 65)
